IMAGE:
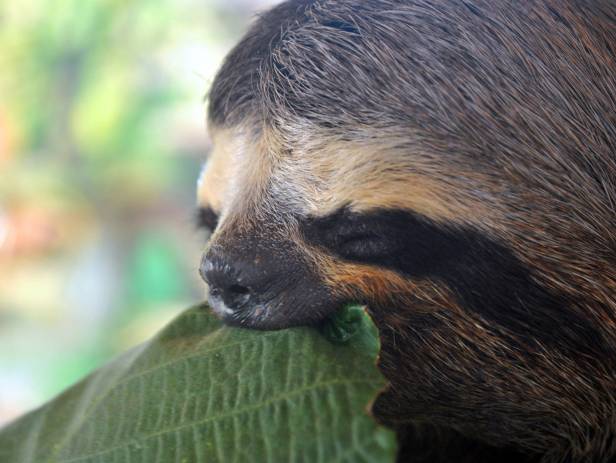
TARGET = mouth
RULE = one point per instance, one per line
(277, 313)
(245, 312)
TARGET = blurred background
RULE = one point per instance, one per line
(102, 135)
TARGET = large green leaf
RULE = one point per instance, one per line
(203, 392)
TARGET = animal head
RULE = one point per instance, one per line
(453, 166)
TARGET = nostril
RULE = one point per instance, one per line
(238, 290)
(214, 292)
(237, 295)
(224, 281)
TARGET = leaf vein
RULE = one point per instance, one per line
(222, 416)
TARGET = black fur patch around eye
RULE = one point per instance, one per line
(484, 274)
(206, 219)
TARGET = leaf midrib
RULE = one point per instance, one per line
(257, 406)
(87, 414)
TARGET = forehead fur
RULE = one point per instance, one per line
(238, 172)
(452, 78)
(249, 173)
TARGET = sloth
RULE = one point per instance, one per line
(452, 166)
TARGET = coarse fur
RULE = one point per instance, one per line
(452, 164)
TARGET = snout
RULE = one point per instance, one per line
(264, 285)
(238, 287)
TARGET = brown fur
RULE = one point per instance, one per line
(492, 119)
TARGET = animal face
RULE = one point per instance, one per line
(452, 166)
(299, 233)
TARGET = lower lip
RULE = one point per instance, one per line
(218, 306)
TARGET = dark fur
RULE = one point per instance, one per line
(484, 275)
(506, 344)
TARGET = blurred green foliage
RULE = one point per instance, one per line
(102, 133)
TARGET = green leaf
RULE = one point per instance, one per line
(203, 392)
(353, 323)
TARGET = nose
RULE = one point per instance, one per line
(263, 282)
(234, 285)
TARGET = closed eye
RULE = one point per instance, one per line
(206, 219)
(353, 236)
(363, 245)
